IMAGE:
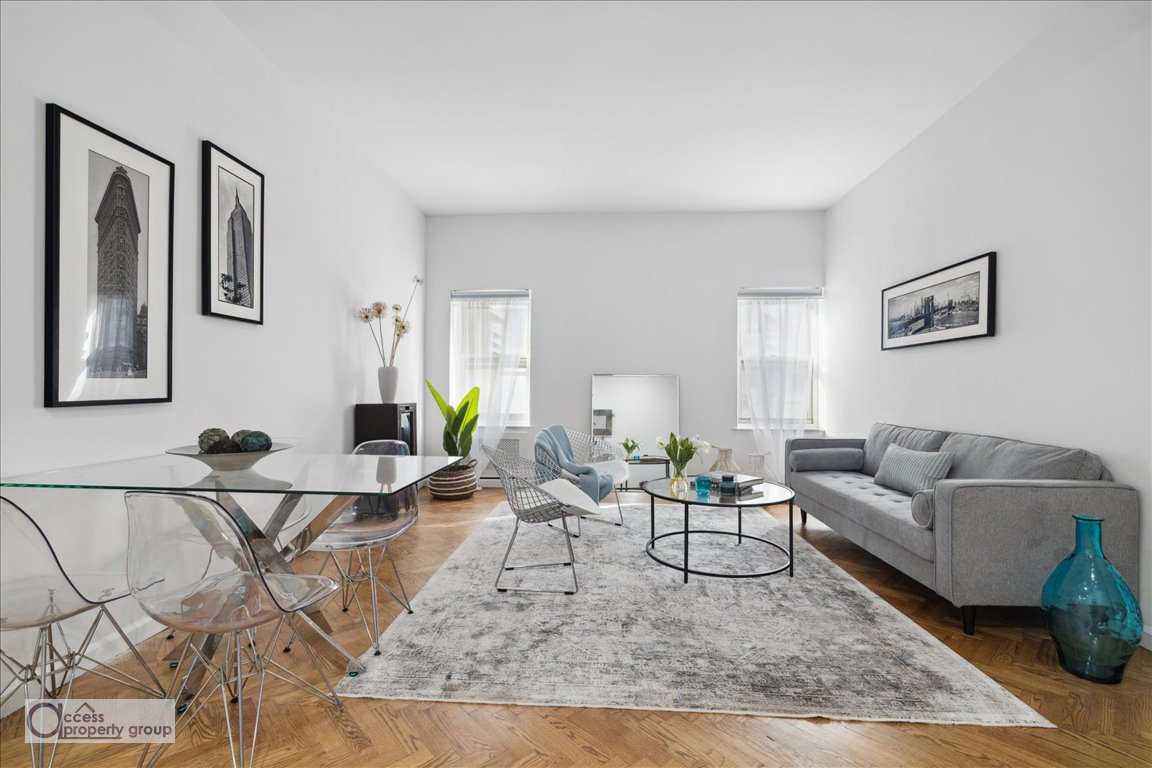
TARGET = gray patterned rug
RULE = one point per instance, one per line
(636, 637)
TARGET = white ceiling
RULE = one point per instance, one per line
(492, 107)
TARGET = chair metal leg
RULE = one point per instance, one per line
(375, 605)
(399, 581)
(570, 563)
(152, 688)
(619, 514)
(280, 671)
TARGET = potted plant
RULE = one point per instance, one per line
(631, 448)
(388, 375)
(459, 480)
(680, 451)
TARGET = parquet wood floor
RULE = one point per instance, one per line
(1099, 725)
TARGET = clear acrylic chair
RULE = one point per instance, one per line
(604, 456)
(190, 568)
(537, 494)
(37, 593)
(363, 532)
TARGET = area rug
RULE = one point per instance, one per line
(636, 636)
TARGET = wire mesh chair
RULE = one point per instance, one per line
(190, 568)
(537, 494)
(606, 457)
(367, 526)
(37, 593)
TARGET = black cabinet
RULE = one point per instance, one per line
(388, 421)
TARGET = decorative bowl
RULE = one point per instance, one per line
(226, 462)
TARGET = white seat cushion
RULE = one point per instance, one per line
(571, 495)
(614, 468)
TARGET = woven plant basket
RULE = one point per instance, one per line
(458, 482)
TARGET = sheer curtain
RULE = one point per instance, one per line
(490, 350)
(777, 350)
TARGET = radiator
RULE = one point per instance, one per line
(510, 446)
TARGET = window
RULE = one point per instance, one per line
(777, 343)
(489, 348)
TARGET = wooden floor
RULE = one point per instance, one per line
(1099, 725)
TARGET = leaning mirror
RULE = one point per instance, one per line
(643, 407)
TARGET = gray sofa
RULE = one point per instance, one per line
(987, 534)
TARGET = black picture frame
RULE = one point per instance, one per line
(950, 304)
(108, 248)
(232, 236)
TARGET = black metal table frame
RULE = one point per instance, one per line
(687, 532)
(645, 461)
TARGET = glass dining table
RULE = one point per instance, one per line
(281, 500)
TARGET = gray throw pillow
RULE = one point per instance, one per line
(924, 509)
(911, 471)
(825, 459)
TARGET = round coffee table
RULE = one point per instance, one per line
(760, 496)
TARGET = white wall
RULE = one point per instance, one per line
(623, 293)
(1046, 163)
(338, 234)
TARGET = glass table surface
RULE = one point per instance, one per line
(283, 472)
(292, 477)
(761, 495)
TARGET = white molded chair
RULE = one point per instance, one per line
(366, 527)
(190, 568)
(37, 593)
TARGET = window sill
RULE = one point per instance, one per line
(810, 430)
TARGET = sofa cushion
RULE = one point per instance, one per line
(996, 458)
(820, 459)
(883, 511)
(924, 508)
(884, 435)
(911, 471)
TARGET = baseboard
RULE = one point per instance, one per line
(1146, 638)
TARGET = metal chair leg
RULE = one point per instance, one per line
(570, 563)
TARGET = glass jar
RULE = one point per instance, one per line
(727, 485)
(703, 485)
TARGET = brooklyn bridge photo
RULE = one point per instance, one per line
(951, 304)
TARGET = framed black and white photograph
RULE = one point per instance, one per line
(232, 216)
(108, 299)
(956, 302)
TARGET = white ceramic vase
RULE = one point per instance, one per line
(388, 376)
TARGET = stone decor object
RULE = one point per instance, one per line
(210, 436)
(216, 440)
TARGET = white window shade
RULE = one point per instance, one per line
(490, 348)
(778, 332)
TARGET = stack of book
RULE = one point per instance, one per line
(744, 483)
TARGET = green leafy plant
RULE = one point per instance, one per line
(630, 446)
(681, 450)
(459, 422)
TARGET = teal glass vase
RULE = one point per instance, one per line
(1091, 613)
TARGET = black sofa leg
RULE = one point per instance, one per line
(968, 614)
(803, 517)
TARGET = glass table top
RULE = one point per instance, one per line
(283, 471)
(760, 496)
